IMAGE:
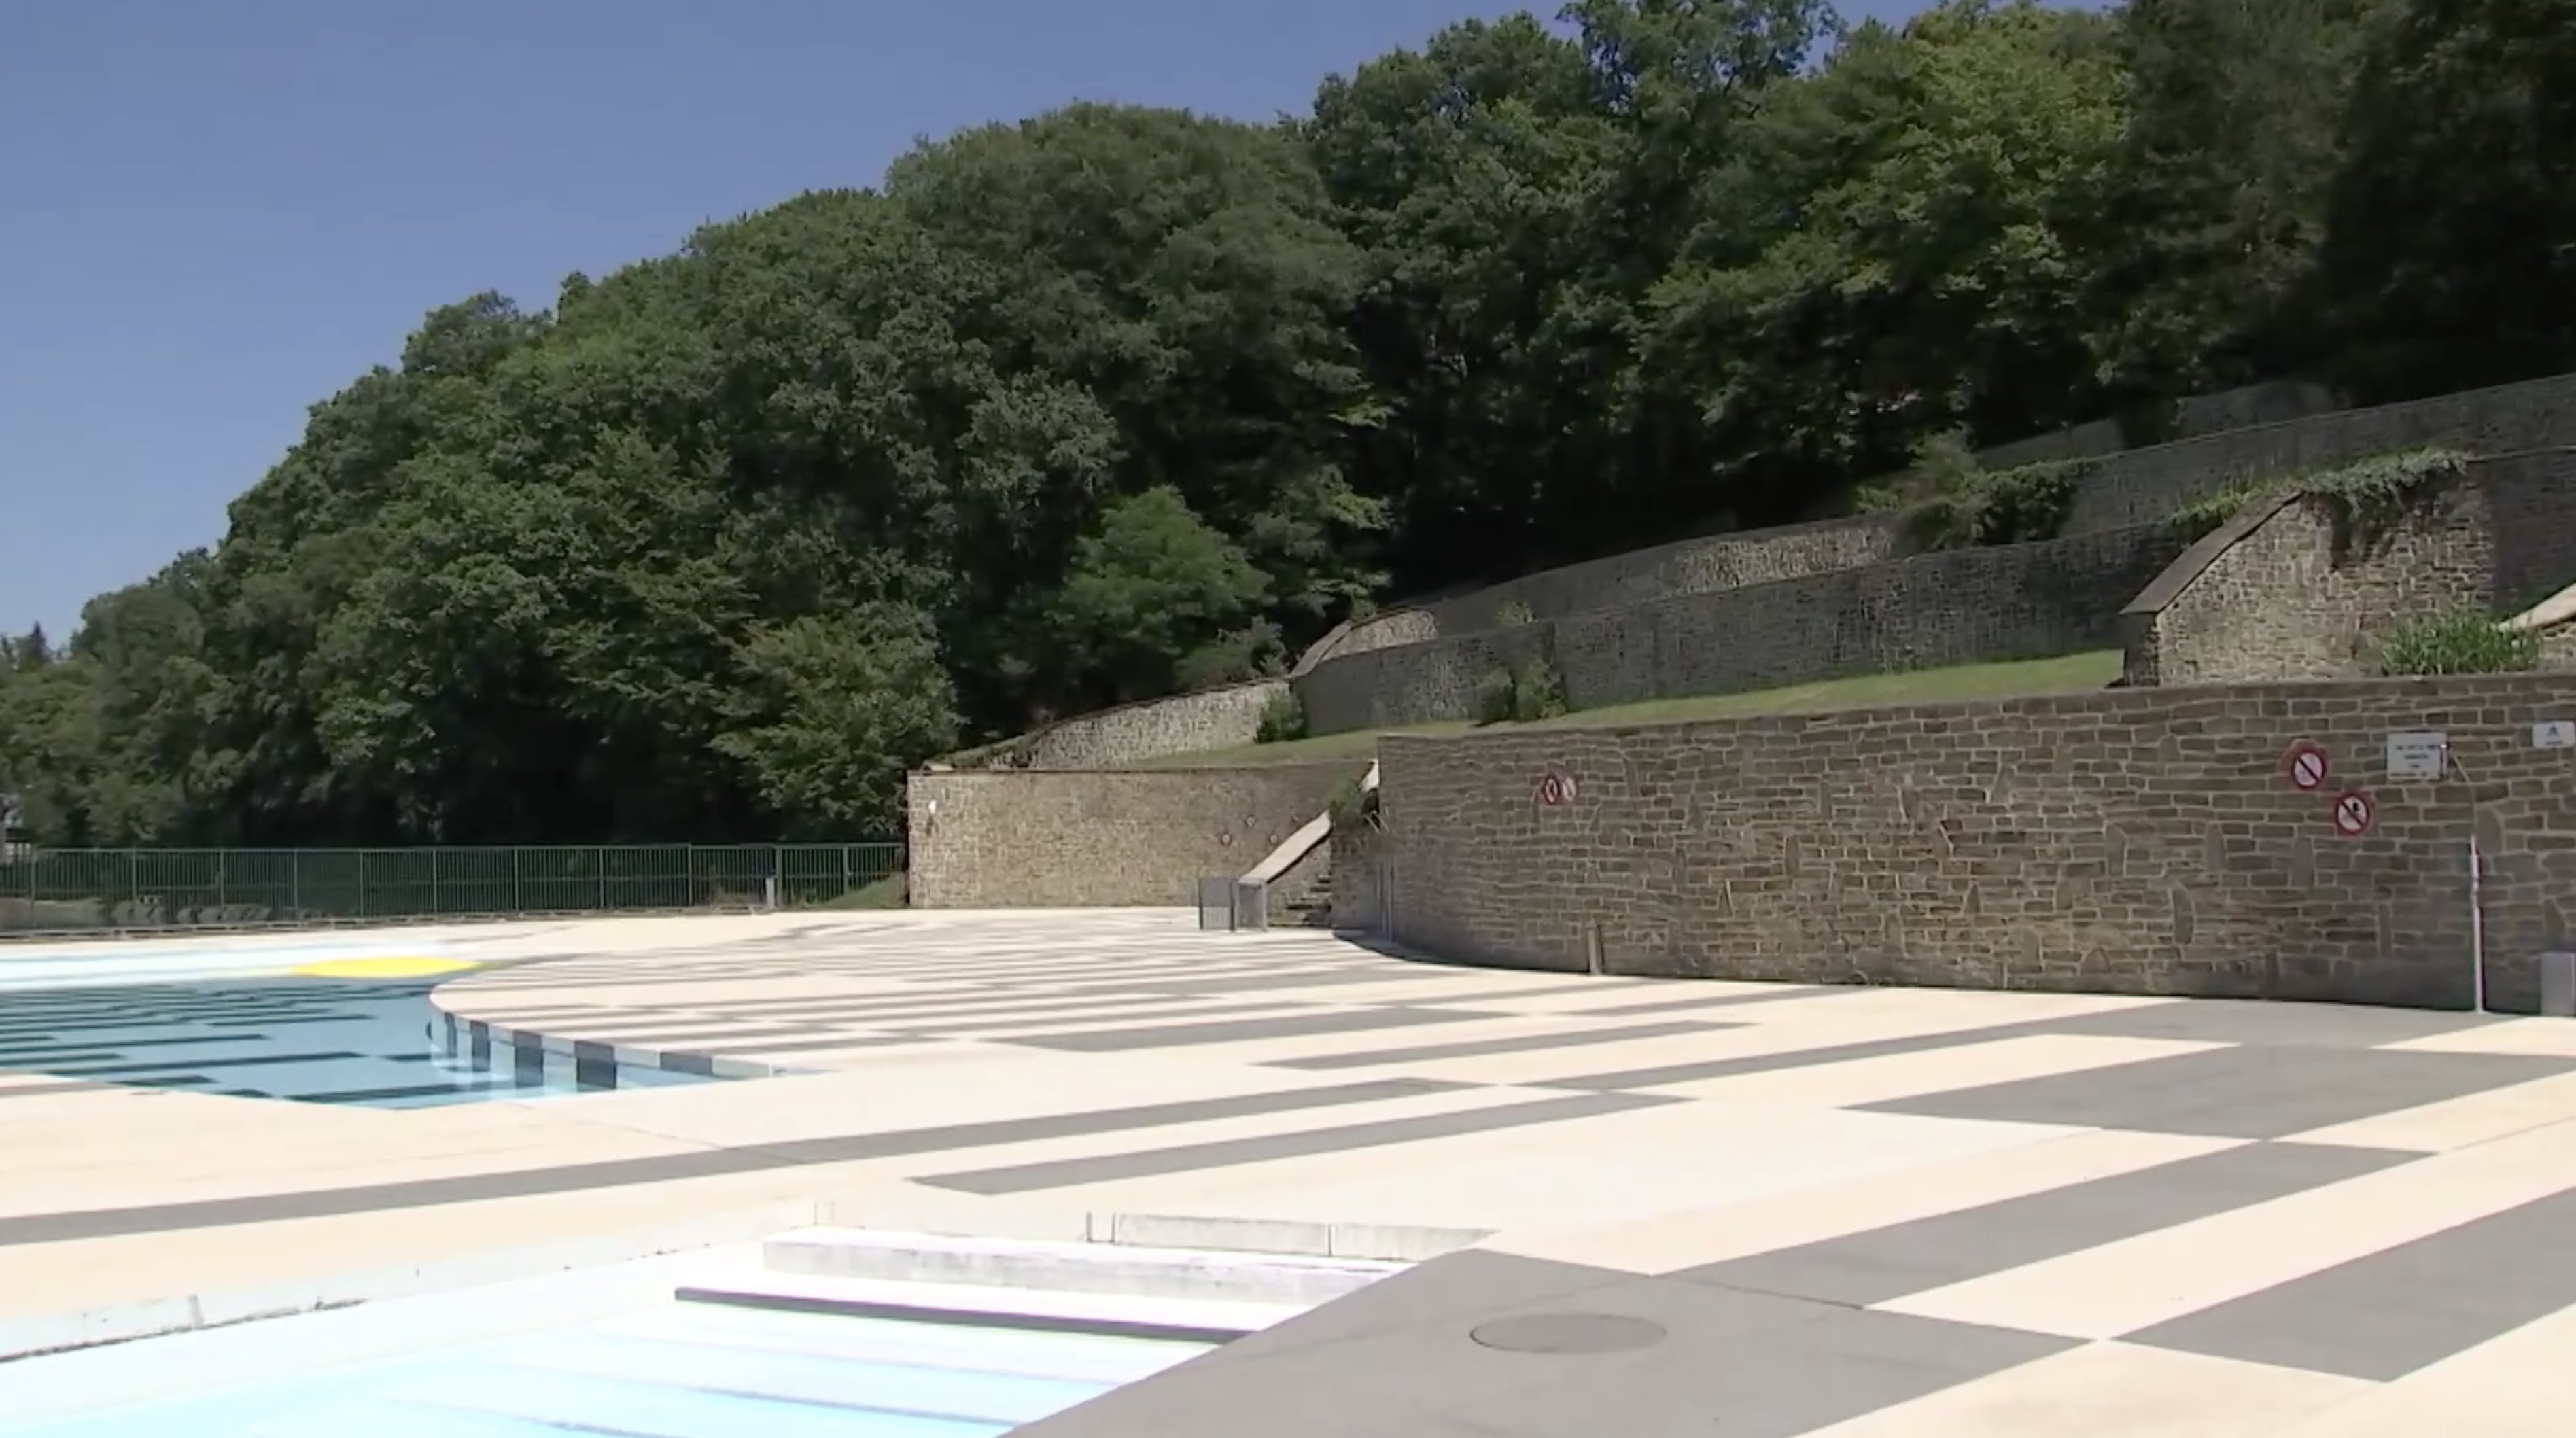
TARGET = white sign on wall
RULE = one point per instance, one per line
(2554, 734)
(2416, 755)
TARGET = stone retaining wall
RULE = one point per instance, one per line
(2136, 841)
(2286, 590)
(1080, 838)
(2143, 485)
(1950, 607)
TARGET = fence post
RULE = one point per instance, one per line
(221, 855)
(436, 906)
(599, 857)
(845, 871)
(518, 885)
(295, 883)
(362, 883)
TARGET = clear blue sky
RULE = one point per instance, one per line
(220, 213)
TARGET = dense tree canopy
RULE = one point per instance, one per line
(1117, 401)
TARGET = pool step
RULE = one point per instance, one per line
(1092, 1268)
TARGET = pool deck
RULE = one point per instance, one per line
(1869, 1213)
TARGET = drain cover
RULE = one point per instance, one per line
(1569, 1333)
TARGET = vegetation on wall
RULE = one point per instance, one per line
(2372, 496)
(1520, 693)
(1283, 719)
(1114, 401)
(1352, 805)
(2458, 640)
(1949, 501)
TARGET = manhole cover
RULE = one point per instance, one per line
(1569, 1333)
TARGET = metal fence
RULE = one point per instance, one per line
(74, 889)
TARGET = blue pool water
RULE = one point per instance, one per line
(676, 1370)
(361, 1042)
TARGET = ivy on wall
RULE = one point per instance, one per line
(2372, 496)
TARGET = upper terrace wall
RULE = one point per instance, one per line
(2286, 591)
(2139, 841)
(1688, 566)
(1724, 561)
(1951, 607)
(2143, 485)
(2268, 403)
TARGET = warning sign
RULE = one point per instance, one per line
(1556, 789)
(2307, 766)
(2354, 813)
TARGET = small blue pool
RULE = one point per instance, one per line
(369, 1043)
(676, 1370)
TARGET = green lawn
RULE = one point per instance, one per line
(2072, 674)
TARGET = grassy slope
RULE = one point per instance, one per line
(2073, 674)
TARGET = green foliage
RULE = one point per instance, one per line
(2006, 506)
(1520, 693)
(1512, 614)
(1283, 719)
(2373, 496)
(1114, 401)
(1353, 805)
(2462, 640)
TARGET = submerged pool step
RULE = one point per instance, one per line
(1093, 1268)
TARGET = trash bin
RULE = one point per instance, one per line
(2558, 985)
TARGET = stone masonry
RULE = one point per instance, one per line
(1950, 607)
(2138, 841)
(2143, 485)
(1190, 723)
(2286, 590)
(1078, 838)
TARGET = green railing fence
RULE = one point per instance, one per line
(73, 889)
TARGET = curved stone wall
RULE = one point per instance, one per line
(2284, 591)
(2138, 841)
(1222, 718)
(1962, 606)
(1688, 566)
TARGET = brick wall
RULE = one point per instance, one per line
(1041, 838)
(2286, 590)
(2139, 841)
(2143, 485)
(1951, 607)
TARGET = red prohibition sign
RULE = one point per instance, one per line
(2307, 766)
(2353, 813)
(1555, 789)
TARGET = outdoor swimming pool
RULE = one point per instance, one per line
(363, 1042)
(673, 1370)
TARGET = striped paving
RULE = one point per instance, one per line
(1847, 1211)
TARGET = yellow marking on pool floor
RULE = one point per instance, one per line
(391, 967)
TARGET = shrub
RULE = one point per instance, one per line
(1520, 693)
(1513, 614)
(1282, 719)
(1352, 805)
(1942, 465)
(2006, 506)
(2459, 640)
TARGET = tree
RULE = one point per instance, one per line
(2450, 257)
